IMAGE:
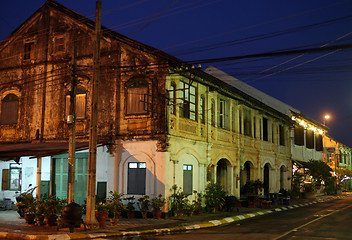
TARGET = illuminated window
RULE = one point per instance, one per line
(136, 178)
(188, 97)
(9, 109)
(137, 97)
(28, 50)
(80, 103)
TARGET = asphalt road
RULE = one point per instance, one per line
(329, 220)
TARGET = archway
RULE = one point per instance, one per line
(222, 174)
(266, 178)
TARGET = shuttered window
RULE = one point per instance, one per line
(137, 97)
(188, 179)
(136, 178)
(319, 142)
(310, 139)
(299, 135)
(80, 103)
(9, 109)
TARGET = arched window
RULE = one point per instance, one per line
(80, 103)
(9, 109)
(137, 97)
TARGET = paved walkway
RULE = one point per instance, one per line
(14, 227)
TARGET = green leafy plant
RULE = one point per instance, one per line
(115, 203)
(158, 202)
(102, 207)
(197, 202)
(178, 201)
(252, 187)
(214, 196)
(130, 203)
(144, 203)
(53, 206)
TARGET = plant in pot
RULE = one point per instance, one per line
(28, 205)
(39, 210)
(52, 208)
(130, 206)
(214, 197)
(158, 203)
(144, 204)
(22, 200)
(178, 201)
(102, 213)
(116, 206)
(197, 203)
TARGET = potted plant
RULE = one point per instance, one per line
(28, 204)
(178, 201)
(214, 196)
(101, 213)
(116, 206)
(22, 200)
(39, 211)
(144, 204)
(52, 208)
(158, 202)
(130, 206)
(197, 203)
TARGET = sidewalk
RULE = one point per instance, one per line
(14, 227)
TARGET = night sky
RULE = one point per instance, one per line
(315, 84)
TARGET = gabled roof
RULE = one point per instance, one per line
(91, 25)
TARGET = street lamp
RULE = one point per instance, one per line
(326, 117)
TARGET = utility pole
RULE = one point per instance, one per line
(93, 129)
(72, 138)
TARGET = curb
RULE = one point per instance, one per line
(208, 224)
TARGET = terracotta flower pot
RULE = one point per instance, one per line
(114, 221)
(30, 218)
(101, 217)
(157, 214)
(51, 220)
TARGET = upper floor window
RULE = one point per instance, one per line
(222, 113)
(310, 139)
(282, 135)
(319, 142)
(212, 113)
(202, 109)
(233, 115)
(137, 97)
(172, 96)
(247, 122)
(59, 44)
(80, 103)
(188, 97)
(265, 129)
(28, 50)
(9, 109)
(299, 135)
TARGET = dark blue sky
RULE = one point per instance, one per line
(200, 29)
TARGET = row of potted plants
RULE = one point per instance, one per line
(39, 210)
(114, 204)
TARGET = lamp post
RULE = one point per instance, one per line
(326, 117)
